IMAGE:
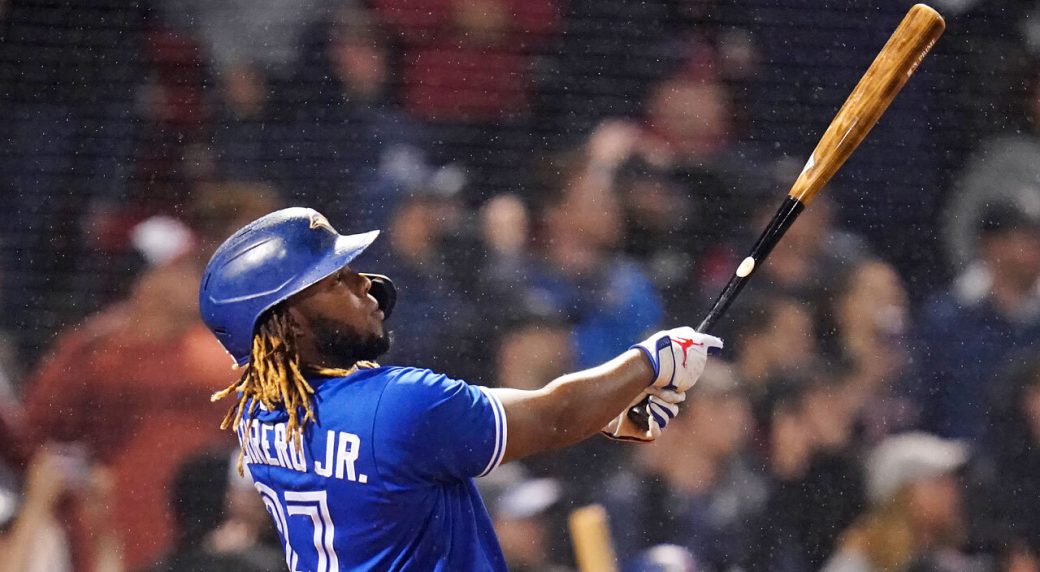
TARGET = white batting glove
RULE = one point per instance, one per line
(663, 406)
(677, 356)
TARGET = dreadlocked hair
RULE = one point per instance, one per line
(274, 377)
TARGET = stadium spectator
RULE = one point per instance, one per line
(130, 382)
(266, 34)
(690, 118)
(1003, 169)
(773, 336)
(242, 140)
(620, 167)
(995, 309)
(865, 333)
(468, 61)
(29, 527)
(596, 74)
(246, 529)
(466, 74)
(130, 385)
(916, 519)
(702, 474)
(503, 258)
(208, 536)
(1001, 515)
(174, 118)
(425, 232)
(342, 146)
(662, 227)
(689, 113)
(506, 238)
(536, 346)
(583, 276)
(807, 444)
(32, 538)
(523, 511)
(593, 57)
(532, 348)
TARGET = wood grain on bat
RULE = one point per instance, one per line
(896, 62)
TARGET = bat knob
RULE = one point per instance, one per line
(639, 413)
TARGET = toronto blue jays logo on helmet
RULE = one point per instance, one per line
(318, 220)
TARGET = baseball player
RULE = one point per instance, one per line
(365, 467)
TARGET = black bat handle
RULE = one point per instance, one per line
(781, 221)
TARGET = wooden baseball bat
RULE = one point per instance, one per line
(897, 61)
(590, 537)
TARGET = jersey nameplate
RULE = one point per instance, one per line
(267, 444)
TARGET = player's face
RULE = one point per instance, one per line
(340, 321)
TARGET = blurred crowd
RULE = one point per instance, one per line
(555, 180)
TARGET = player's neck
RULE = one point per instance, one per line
(313, 359)
(328, 363)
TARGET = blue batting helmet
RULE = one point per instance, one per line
(269, 260)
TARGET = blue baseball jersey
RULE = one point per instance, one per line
(384, 479)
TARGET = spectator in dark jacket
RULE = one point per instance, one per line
(988, 315)
(1004, 516)
(815, 485)
(703, 473)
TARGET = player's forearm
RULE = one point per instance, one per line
(573, 407)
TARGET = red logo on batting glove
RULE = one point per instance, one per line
(686, 344)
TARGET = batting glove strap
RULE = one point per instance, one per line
(677, 356)
(662, 407)
(653, 348)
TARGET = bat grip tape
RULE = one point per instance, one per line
(781, 221)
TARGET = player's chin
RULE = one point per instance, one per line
(377, 326)
(377, 329)
(377, 345)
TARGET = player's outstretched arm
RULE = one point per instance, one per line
(578, 405)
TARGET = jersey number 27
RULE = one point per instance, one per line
(312, 505)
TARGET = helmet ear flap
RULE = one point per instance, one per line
(383, 291)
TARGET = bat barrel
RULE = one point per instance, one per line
(893, 66)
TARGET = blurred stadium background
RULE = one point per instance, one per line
(556, 180)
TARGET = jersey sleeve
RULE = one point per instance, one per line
(429, 427)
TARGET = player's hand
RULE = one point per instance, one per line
(677, 357)
(663, 406)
